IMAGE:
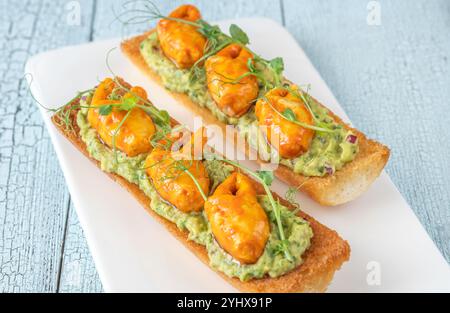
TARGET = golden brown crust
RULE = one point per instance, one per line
(325, 256)
(343, 186)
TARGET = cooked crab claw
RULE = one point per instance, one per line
(228, 81)
(171, 175)
(133, 135)
(181, 42)
(289, 138)
(238, 222)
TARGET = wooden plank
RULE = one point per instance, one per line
(392, 80)
(78, 271)
(33, 195)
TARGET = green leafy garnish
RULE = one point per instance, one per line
(238, 35)
(163, 118)
(290, 197)
(277, 65)
(105, 109)
(114, 136)
(289, 114)
(306, 99)
(207, 30)
(128, 103)
(159, 117)
(281, 246)
(268, 72)
(266, 176)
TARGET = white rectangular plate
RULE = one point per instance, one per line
(390, 249)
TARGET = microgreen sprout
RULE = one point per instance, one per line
(116, 131)
(185, 169)
(289, 115)
(180, 166)
(160, 117)
(268, 72)
(216, 40)
(290, 197)
(238, 35)
(63, 113)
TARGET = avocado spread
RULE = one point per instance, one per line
(271, 263)
(327, 153)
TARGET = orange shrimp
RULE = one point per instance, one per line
(181, 42)
(133, 136)
(232, 92)
(171, 182)
(293, 139)
(239, 223)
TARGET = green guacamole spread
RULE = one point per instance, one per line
(328, 152)
(272, 263)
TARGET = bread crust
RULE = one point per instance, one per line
(325, 256)
(341, 187)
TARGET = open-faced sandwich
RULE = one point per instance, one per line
(220, 79)
(223, 212)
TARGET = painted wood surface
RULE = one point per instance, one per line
(392, 79)
(33, 196)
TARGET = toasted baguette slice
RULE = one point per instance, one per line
(325, 256)
(341, 187)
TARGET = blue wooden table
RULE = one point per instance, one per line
(388, 63)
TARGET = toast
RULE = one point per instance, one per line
(343, 186)
(325, 255)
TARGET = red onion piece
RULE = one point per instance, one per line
(352, 138)
(329, 170)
